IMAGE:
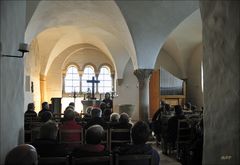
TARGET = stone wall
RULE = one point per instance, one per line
(221, 51)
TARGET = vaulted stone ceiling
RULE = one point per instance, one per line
(121, 30)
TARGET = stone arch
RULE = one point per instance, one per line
(71, 64)
(108, 65)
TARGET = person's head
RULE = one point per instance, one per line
(49, 130)
(188, 105)
(47, 115)
(69, 114)
(106, 114)
(45, 105)
(178, 109)
(96, 112)
(103, 106)
(114, 117)
(107, 95)
(140, 132)
(162, 103)
(167, 107)
(89, 109)
(94, 134)
(24, 154)
(31, 107)
(72, 104)
(193, 107)
(124, 118)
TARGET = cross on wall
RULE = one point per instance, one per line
(93, 81)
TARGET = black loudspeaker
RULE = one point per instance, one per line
(56, 105)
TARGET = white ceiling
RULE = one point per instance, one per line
(121, 30)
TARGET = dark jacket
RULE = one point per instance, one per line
(49, 147)
(139, 149)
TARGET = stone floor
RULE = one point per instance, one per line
(165, 160)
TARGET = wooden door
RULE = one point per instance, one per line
(154, 92)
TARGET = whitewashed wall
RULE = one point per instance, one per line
(194, 86)
(13, 25)
(128, 92)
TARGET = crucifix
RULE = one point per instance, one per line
(93, 81)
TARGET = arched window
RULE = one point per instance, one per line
(88, 73)
(105, 78)
(72, 80)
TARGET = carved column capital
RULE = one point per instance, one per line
(142, 75)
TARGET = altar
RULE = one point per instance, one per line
(90, 102)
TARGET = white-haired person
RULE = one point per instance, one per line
(124, 122)
(114, 119)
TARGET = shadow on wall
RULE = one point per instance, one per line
(21, 136)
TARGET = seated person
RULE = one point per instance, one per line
(103, 106)
(72, 104)
(24, 154)
(87, 116)
(70, 124)
(47, 145)
(47, 115)
(122, 136)
(196, 145)
(106, 114)
(77, 115)
(124, 122)
(173, 124)
(114, 119)
(96, 114)
(93, 146)
(45, 107)
(140, 135)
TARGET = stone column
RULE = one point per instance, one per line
(221, 66)
(113, 80)
(143, 76)
(43, 87)
(80, 72)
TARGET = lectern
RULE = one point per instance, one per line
(56, 104)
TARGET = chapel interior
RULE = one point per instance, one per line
(142, 53)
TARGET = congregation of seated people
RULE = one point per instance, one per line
(100, 119)
(178, 129)
(47, 142)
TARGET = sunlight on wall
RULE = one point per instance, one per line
(78, 103)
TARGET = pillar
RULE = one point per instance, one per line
(80, 72)
(113, 80)
(143, 76)
(221, 66)
(43, 87)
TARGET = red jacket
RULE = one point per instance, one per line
(71, 125)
